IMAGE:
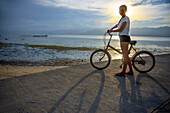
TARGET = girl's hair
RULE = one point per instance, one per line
(124, 7)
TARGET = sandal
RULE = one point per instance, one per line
(129, 73)
(119, 74)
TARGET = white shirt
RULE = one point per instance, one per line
(126, 29)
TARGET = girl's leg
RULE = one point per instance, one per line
(124, 47)
(130, 67)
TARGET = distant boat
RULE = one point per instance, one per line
(40, 35)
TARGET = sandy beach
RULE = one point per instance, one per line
(8, 71)
(80, 88)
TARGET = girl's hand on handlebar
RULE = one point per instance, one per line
(109, 31)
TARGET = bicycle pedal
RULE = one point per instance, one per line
(120, 66)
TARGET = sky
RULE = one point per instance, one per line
(63, 15)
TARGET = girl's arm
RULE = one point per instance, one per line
(114, 27)
(120, 29)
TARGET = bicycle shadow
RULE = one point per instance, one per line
(155, 99)
(96, 101)
(131, 100)
(142, 75)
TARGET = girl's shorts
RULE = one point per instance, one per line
(124, 38)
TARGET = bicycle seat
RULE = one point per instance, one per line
(133, 42)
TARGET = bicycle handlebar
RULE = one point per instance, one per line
(109, 33)
(104, 38)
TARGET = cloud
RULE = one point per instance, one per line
(77, 14)
(156, 22)
(93, 5)
(109, 8)
(105, 8)
(151, 2)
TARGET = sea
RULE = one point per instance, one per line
(21, 46)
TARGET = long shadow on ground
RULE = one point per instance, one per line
(96, 101)
(132, 101)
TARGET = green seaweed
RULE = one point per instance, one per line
(61, 47)
(51, 47)
(4, 45)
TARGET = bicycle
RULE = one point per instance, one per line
(143, 61)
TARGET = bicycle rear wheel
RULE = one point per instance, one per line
(99, 59)
(143, 61)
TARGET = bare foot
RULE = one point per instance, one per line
(129, 73)
(119, 74)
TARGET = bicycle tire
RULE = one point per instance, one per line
(143, 58)
(103, 64)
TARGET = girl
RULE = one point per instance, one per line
(123, 29)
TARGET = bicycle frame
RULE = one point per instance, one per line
(131, 47)
(108, 45)
(137, 59)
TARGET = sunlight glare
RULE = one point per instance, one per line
(116, 37)
(118, 56)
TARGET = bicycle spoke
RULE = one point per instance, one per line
(99, 59)
(143, 62)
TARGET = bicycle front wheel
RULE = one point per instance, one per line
(143, 61)
(99, 59)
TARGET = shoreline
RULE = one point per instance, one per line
(51, 62)
(10, 69)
